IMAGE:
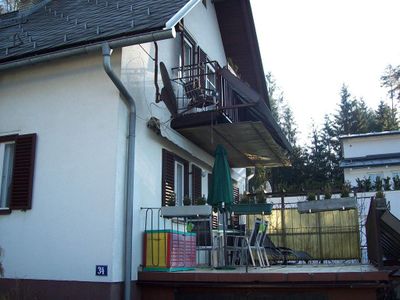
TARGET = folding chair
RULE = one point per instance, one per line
(243, 245)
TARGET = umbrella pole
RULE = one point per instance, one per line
(224, 236)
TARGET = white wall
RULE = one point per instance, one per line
(138, 74)
(358, 147)
(202, 24)
(78, 180)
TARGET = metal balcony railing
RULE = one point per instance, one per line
(203, 88)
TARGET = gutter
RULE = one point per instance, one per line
(167, 33)
(130, 180)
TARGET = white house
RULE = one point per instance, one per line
(110, 106)
(371, 155)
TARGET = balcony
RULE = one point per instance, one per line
(213, 106)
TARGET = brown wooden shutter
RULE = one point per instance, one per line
(22, 182)
(235, 218)
(167, 176)
(186, 177)
(215, 215)
(202, 59)
(196, 183)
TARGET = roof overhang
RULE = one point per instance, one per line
(239, 38)
(247, 143)
(363, 163)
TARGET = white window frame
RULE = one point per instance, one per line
(6, 165)
(179, 201)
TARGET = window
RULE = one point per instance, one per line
(187, 58)
(373, 176)
(174, 177)
(211, 81)
(17, 155)
(6, 170)
(179, 183)
(187, 52)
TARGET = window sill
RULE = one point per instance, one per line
(5, 211)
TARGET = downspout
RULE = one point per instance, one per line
(130, 177)
(130, 180)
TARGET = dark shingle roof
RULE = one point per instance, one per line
(371, 161)
(64, 24)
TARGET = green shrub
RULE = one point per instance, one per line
(386, 184)
(396, 182)
(378, 183)
(346, 189)
(311, 196)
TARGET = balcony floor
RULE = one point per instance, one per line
(318, 273)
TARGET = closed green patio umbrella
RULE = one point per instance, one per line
(220, 195)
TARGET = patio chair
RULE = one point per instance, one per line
(283, 254)
(243, 245)
(198, 95)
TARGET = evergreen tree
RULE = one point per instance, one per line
(386, 118)
(275, 97)
(288, 125)
(362, 117)
(331, 146)
(344, 119)
(391, 80)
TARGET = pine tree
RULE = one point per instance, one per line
(386, 118)
(331, 146)
(275, 97)
(344, 119)
(391, 80)
(288, 125)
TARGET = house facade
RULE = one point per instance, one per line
(372, 155)
(97, 122)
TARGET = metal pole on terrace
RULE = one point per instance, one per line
(283, 219)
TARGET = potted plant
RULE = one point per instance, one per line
(386, 184)
(328, 204)
(311, 196)
(345, 191)
(327, 192)
(396, 182)
(201, 201)
(367, 184)
(187, 210)
(378, 183)
(380, 199)
(187, 201)
(360, 184)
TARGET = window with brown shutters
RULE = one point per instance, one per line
(196, 183)
(17, 169)
(168, 184)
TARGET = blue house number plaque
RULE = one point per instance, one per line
(101, 270)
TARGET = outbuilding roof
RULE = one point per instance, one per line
(369, 134)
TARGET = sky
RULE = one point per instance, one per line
(312, 47)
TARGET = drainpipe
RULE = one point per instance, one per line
(130, 183)
(129, 186)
